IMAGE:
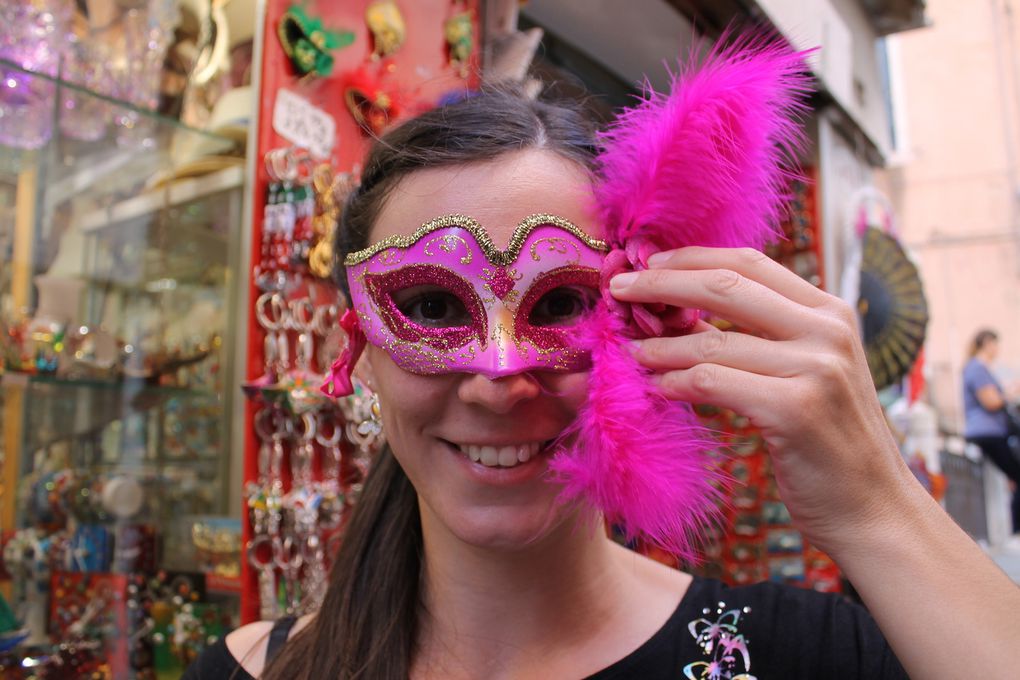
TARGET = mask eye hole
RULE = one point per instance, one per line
(432, 307)
(562, 306)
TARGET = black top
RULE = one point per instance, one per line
(758, 632)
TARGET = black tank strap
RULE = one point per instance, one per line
(278, 636)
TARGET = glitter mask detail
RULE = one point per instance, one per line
(497, 289)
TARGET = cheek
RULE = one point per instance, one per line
(571, 390)
(407, 400)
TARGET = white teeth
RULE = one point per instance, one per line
(508, 456)
(490, 456)
(503, 456)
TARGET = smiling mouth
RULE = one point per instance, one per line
(507, 456)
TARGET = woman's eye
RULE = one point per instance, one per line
(435, 308)
(561, 306)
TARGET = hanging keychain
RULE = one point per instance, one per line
(316, 578)
(267, 314)
(288, 556)
(261, 558)
(258, 489)
(304, 499)
(282, 430)
(301, 319)
(332, 339)
(332, 507)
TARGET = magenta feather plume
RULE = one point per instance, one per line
(706, 165)
(637, 456)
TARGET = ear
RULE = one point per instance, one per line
(363, 370)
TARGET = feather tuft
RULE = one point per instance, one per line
(635, 455)
(706, 164)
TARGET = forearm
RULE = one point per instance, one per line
(943, 605)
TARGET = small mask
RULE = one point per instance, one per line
(445, 299)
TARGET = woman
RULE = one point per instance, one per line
(984, 405)
(459, 561)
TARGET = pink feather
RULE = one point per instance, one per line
(704, 165)
(638, 457)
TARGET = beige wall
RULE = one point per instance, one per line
(847, 61)
(955, 179)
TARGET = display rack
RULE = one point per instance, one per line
(119, 260)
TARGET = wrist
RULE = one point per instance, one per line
(886, 514)
(900, 520)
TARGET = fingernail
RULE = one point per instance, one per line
(634, 346)
(659, 258)
(621, 281)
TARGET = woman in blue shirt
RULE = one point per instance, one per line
(984, 404)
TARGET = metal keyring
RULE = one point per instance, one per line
(262, 424)
(337, 432)
(253, 547)
(276, 305)
(325, 319)
(301, 316)
(310, 427)
(280, 551)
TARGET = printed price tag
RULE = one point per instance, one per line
(302, 124)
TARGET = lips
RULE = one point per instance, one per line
(504, 456)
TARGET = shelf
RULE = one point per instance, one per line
(126, 385)
(70, 409)
(175, 193)
(63, 84)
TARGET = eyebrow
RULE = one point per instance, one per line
(491, 251)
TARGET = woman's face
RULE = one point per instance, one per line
(439, 425)
(991, 349)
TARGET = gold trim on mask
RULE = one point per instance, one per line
(493, 254)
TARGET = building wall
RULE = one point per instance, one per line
(847, 62)
(848, 68)
(955, 180)
(633, 40)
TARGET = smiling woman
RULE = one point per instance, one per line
(475, 260)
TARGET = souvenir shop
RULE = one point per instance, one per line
(171, 173)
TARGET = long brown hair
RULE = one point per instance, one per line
(367, 626)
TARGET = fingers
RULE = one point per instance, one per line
(722, 386)
(723, 292)
(712, 346)
(747, 262)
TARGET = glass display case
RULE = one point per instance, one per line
(119, 261)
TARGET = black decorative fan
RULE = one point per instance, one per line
(892, 308)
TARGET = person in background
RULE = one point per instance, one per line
(987, 424)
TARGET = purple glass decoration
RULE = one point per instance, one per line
(32, 36)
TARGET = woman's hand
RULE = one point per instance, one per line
(941, 603)
(803, 381)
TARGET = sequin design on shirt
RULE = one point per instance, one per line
(723, 645)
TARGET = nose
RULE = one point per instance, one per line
(499, 394)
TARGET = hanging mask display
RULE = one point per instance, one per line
(459, 40)
(387, 26)
(309, 44)
(372, 105)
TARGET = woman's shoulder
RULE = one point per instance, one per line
(248, 644)
(240, 655)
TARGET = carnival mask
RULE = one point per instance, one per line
(445, 299)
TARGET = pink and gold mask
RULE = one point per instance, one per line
(445, 299)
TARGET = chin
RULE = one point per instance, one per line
(512, 529)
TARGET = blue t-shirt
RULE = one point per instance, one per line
(980, 421)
